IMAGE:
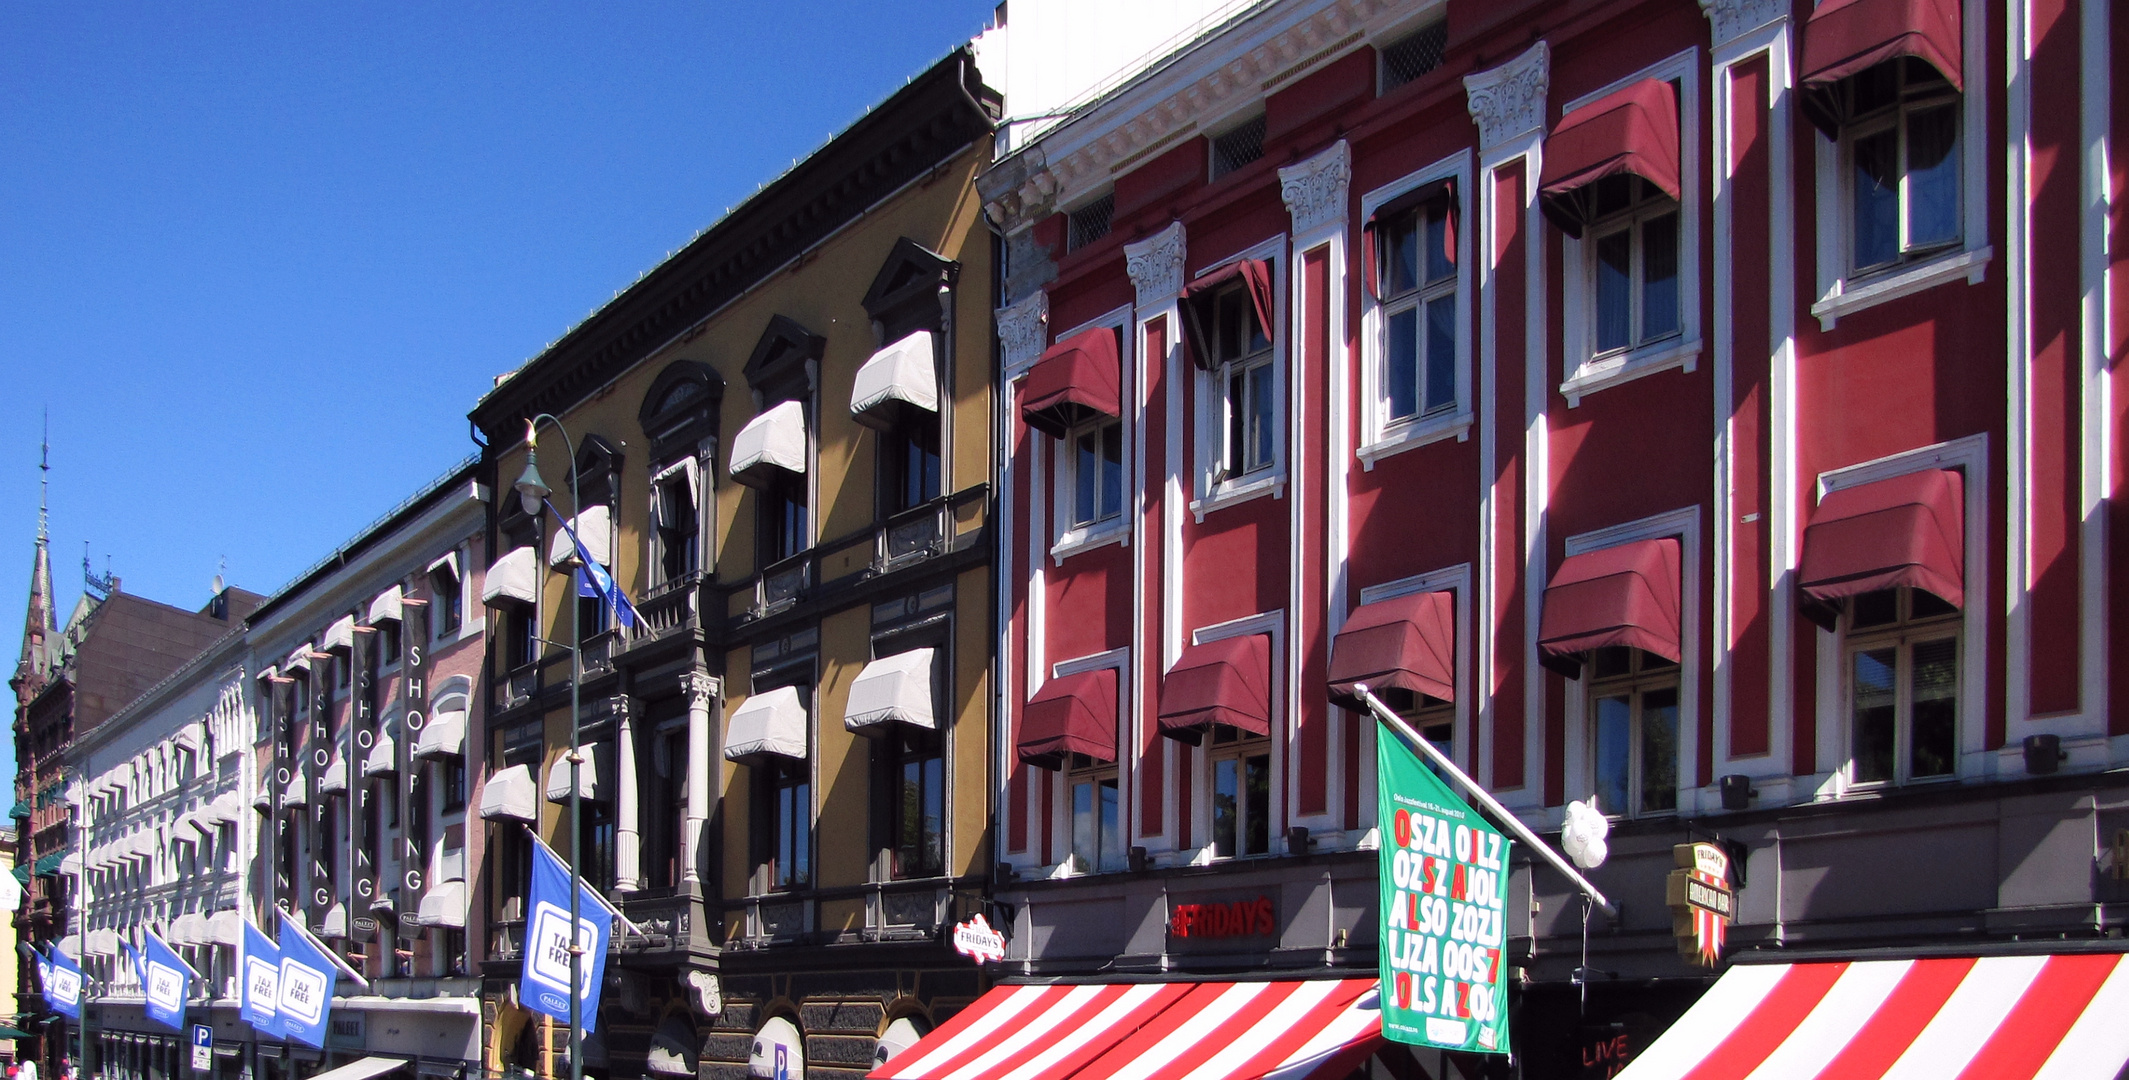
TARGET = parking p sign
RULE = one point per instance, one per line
(202, 1048)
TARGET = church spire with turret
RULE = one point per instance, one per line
(42, 621)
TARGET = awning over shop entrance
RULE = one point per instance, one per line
(1289, 1030)
(2004, 1017)
(362, 1069)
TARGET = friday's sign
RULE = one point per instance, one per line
(1444, 890)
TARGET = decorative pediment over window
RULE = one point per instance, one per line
(682, 406)
(905, 294)
(598, 470)
(781, 368)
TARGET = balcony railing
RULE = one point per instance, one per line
(668, 607)
(907, 539)
(917, 910)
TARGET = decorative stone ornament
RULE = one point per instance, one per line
(1732, 19)
(1024, 330)
(1315, 190)
(1508, 102)
(1156, 266)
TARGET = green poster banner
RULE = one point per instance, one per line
(1444, 890)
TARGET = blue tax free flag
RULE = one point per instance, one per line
(593, 579)
(261, 965)
(166, 981)
(61, 978)
(544, 987)
(309, 972)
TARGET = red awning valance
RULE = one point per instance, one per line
(1624, 595)
(1072, 714)
(1634, 130)
(1408, 642)
(1443, 189)
(1078, 379)
(1219, 682)
(1905, 530)
(1847, 37)
(1255, 276)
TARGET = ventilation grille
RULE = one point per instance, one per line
(1414, 54)
(1090, 222)
(1237, 148)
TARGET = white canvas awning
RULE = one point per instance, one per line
(189, 929)
(775, 440)
(447, 562)
(225, 928)
(510, 794)
(383, 758)
(71, 864)
(187, 736)
(369, 1068)
(340, 635)
(224, 809)
(513, 579)
(443, 736)
(386, 607)
(593, 775)
(334, 924)
(898, 378)
(674, 1047)
(334, 779)
(445, 905)
(594, 526)
(297, 661)
(298, 792)
(101, 942)
(199, 821)
(892, 689)
(771, 722)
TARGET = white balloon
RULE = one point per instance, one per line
(1593, 854)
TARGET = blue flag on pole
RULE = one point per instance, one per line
(61, 979)
(309, 972)
(594, 580)
(261, 965)
(166, 981)
(544, 987)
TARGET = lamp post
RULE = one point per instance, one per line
(532, 493)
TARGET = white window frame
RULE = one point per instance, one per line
(1198, 759)
(1457, 580)
(1901, 636)
(1214, 492)
(1382, 436)
(1587, 371)
(1067, 539)
(1841, 292)
(1127, 764)
(687, 470)
(1579, 768)
(1634, 686)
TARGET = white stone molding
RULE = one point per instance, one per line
(1156, 265)
(1733, 19)
(1508, 102)
(1023, 331)
(708, 993)
(700, 687)
(1315, 190)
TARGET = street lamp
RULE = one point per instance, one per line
(532, 493)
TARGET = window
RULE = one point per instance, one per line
(1094, 465)
(665, 822)
(676, 522)
(1097, 821)
(1242, 364)
(1433, 718)
(782, 525)
(454, 777)
(592, 616)
(388, 642)
(1900, 157)
(1241, 793)
(1089, 223)
(909, 463)
(1903, 671)
(522, 642)
(1237, 147)
(1418, 285)
(447, 601)
(597, 840)
(1632, 254)
(918, 767)
(1414, 54)
(1634, 730)
(787, 814)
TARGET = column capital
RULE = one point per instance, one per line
(1315, 190)
(1508, 102)
(1023, 331)
(1156, 265)
(701, 688)
(1729, 20)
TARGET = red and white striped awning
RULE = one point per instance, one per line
(1152, 1031)
(2002, 1018)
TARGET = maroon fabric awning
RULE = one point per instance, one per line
(1073, 714)
(1624, 595)
(1905, 530)
(1220, 682)
(1847, 37)
(1408, 642)
(1634, 130)
(1412, 200)
(1077, 380)
(1255, 275)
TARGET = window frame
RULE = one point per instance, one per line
(1127, 777)
(1224, 745)
(1634, 684)
(1066, 538)
(1587, 369)
(1892, 118)
(1902, 635)
(684, 472)
(1843, 291)
(1382, 435)
(1215, 489)
(1199, 759)
(448, 567)
(768, 779)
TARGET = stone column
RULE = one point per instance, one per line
(701, 689)
(628, 830)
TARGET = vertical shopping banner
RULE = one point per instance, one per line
(281, 699)
(413, 792)
(1444, 881)
(317, 755)
(362, 736)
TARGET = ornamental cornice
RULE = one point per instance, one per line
(1023, 331)
(1508, 102)
(1156, 265)
(1315, 190)
(1732, 19)
(701, 688)
(1209, 80)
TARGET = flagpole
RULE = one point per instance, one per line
(77, 917)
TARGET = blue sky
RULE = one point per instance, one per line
(259, 260)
